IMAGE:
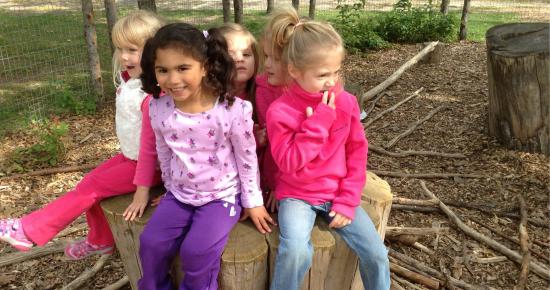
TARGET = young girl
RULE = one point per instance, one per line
(207, 155)
(319, 146)
(118, 175)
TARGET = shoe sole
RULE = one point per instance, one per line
(21, 246)
(98, 252)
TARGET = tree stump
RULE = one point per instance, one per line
(248, 258)
(518, 66)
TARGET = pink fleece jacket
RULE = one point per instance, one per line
(265, 95)
(147, 169)
(321, 158)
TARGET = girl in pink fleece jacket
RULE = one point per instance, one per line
(133, 169)
(319, 146)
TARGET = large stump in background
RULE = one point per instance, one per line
(248, 258)
(518, 66)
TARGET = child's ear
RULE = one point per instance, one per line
(293, 71)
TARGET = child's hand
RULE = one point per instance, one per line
(271, 203)
(338, 220)
(138, 205)
(260, 218)
(260, 135)
(325, 100)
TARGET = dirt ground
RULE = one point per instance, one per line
(459, 82)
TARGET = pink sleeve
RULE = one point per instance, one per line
(147, 160)
(261, 105)
(352, 184)
(293, 149)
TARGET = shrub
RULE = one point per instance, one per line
(47, 152)
(356, 30)
(407, 24)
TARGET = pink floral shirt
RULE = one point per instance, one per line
(207, 156)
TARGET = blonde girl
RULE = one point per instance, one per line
(319, 146)
(207, 156)
(131, 170)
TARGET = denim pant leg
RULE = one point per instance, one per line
(295, 253)
(361, 236)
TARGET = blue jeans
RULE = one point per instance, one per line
(296, 219)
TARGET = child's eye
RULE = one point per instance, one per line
(182, 68)
(160, 70)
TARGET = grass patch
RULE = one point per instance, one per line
(480, 22)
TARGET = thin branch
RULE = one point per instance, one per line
(390, 80)
(88, 273)
(425, 175)
(524, 245)
(413, 127)
(380, 115)
(537, 268)
(36, 252)
(118, 284)
(408, 153)
(373, 103)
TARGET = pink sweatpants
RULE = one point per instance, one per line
(113, 177)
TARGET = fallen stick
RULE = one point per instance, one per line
(413, 127)
(509, 238)
(390, 80)
(118, 284)
(395, 285)
(423, 248)
(88, 273)
(413, 276)
(413, 269)
(36, 252)
(424, 209)
(381, 114)
(425, 175)
(408, 201)
(72, 230)
(373, 103)
(495, 259)
(52, 171)
(396, 231)
(405, 282)
(538, 269)
(431, 271)
(407, 153)
(524, 245)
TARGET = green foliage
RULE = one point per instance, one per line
(47, 152)
(407, 24)
(357, 31)
(68, 98)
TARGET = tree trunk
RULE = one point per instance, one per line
(91, 45)
(296, 4)
(111, 13)
(464, 20)
(226, 6)
(147, 5)
(312, 9)
(444, 9)
(518, 66)
(270, 6)
(238, 7)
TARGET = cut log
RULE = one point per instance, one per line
(249, 256)
(518, 66)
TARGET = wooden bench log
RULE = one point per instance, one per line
(248, 258)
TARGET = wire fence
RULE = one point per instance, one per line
(43, 56)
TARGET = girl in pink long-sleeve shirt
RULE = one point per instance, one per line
(319, 146)
(134, 169)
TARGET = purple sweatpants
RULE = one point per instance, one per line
(198, 233)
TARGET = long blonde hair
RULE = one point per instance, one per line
(300, 41)
(135, 29)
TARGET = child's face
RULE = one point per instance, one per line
(130, 58)
(240, 49)
(179, 75)
(321, 76)
(273, 67)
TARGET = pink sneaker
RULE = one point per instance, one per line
(82, 249)
(11, 231)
